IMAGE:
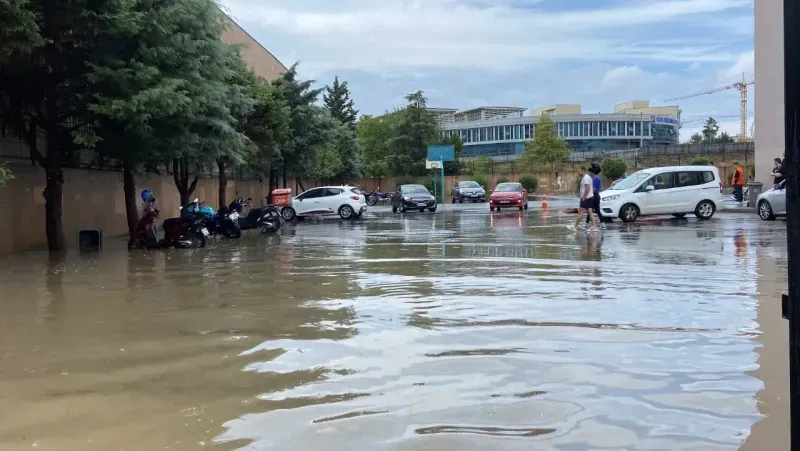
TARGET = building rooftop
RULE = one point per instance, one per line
(512, 108)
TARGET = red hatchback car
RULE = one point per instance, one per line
(506, 195)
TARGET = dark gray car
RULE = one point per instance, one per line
(468, 190)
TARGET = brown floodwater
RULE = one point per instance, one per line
(454, 330)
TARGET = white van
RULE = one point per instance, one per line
(675, 190)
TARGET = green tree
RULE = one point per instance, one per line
(346, 144)
(710, 130)
(373, 134)
(416, 128)
(480, 165)
(724, 138)
(482, 180)
(697, 138)
(327, 166)
(699, 160)
(45, 72)
(310, 129)
(268, 127)
(546, 147)
(529, 182)
(337, 100)
(614, 168)
(5, 175)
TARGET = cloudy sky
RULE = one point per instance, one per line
(525, 53)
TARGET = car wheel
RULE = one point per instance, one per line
(432, 210)
(629, 213)
(705, 209)
(288, 214)
(421, 210)
(402, 208)
(346, 212)
(679, 215)
(460, 200)
(454, 200)
(526, 205)
(765, 211)
(498, 209)
(521, 208)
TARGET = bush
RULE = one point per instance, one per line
(483, 180)
(429, 184)
(614, 168)
(699, 160)
(502, 180)
(529, 182)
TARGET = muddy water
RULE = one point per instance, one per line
(455, 330)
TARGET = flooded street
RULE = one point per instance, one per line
(455, 330)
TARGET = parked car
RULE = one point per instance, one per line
(507, 195)
(674, 190)
(468, 190)
(412, 197)
(346, 201)
(772, 203)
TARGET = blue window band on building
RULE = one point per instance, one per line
(495, 138)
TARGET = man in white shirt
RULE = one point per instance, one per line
(587, 197)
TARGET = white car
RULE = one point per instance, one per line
(772, 203)
(346, 201)
(674, 190)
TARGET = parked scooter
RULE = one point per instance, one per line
(268, 218)
(189, 230)
(226, 222)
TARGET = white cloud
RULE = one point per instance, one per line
(744, 64)
(526, 53)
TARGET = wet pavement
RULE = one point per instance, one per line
(458, 329)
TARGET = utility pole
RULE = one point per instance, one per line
(791, 308)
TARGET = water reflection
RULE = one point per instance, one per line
(455, 330)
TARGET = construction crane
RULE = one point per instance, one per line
(741, 86)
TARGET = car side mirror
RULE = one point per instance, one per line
(650, 188)
(491, 190)
(430, 191)
(249, 199)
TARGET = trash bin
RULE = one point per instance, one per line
(282, 197)
(754, 190)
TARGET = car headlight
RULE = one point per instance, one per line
(432, 198)
(407, 199)
(610, 198)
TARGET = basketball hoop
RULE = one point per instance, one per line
(433, 164)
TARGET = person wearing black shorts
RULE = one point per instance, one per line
(587, 196)
(596, 188)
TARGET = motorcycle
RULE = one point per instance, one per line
(268, 218)
(188, 230)
(226, 222)
(373, 197)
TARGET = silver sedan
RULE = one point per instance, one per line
(772, 203)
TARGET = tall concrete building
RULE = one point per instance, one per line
(769, 114)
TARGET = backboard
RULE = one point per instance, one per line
(441, 153)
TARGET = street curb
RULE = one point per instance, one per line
(738, 210)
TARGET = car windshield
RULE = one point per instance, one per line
(414, 189)
(631, 181)
(508, 187)
(469, 185)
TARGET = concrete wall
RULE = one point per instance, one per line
(92, 200)
(769, 106)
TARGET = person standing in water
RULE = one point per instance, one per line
(597, 186)
(587, 196)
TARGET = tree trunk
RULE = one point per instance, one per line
(129, 188)
(180, 173)
(53, 207)
(269, 185)
(223, 181)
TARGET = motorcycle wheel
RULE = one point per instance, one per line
(372, 200)
(231, 230)
(271, 223)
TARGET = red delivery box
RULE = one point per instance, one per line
(282, 197)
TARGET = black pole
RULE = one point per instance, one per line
(791, 67)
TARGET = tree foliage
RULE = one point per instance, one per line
(614, 168)
(337, 100)
(414, 130)
(546, 147)
(373, 134)
(710, 134)
(699, 160)
(480, 165)
(529, 182)
(5, 175)
(149, 84)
